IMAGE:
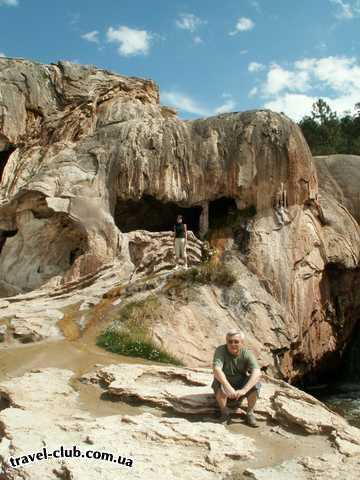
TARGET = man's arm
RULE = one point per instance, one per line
(221, 377)
(254, 378)
(185, 228)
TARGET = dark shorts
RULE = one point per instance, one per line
(237, 383)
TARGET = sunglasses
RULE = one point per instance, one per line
(233, 341)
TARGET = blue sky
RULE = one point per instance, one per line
(207, 56)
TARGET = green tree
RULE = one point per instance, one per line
(322, 112)
(326, 133)
(310, 129)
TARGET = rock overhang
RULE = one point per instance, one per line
(90, 137)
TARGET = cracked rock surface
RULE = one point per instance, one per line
(42, 408)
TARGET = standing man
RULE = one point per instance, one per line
(180, 241)
(236, 375)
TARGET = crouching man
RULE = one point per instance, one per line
(236, 375)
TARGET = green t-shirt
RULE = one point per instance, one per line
(232, 366)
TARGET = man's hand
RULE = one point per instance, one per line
(229, 391)
(226, 387)
(240, 393)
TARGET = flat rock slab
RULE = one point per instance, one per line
(48, 388)
(188, 391)
(326, 467)
(42, 409)
(182, 390)
(185, 390)
(35, 316)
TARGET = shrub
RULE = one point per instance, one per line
(208, 273)
(130, 333)
(125, 344)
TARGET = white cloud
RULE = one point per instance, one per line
(347, 10)
(2, 54)
(294, 105)
(188, 21)
(198, 39)
(243, 24)
(187, 104)
(321, 46)
(74, 19)
(91, 36)
(255, 67)
(130, 41)
(293, 90)
(341, 74)
(9, 3)
(244, 52)
(184, 102)
(256, 5)
(279, 79)
(227, 106)
(253, 92)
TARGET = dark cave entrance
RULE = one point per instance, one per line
(225, 216)
(152, 215)
(4, 235)
(4, 157)
(339, 289)
(221, 211)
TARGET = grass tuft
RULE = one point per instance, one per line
(208, 273)
(131, 332)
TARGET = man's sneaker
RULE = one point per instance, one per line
(251, 420)
(224, 417)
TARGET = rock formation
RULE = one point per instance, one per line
(339, 177)
(83, 143)
(93, 171)
(91, 161)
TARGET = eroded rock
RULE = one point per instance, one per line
(307, 468)
(157, 446)
(189, 391)
(80, 143)
(84, 140)
(339, 178)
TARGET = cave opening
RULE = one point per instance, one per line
(335, 378)
(153, 215)
(221, 211)
(4, 235)
(4, 157)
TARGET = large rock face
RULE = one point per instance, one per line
(339, 177)
(82, 140)
(89, 157)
